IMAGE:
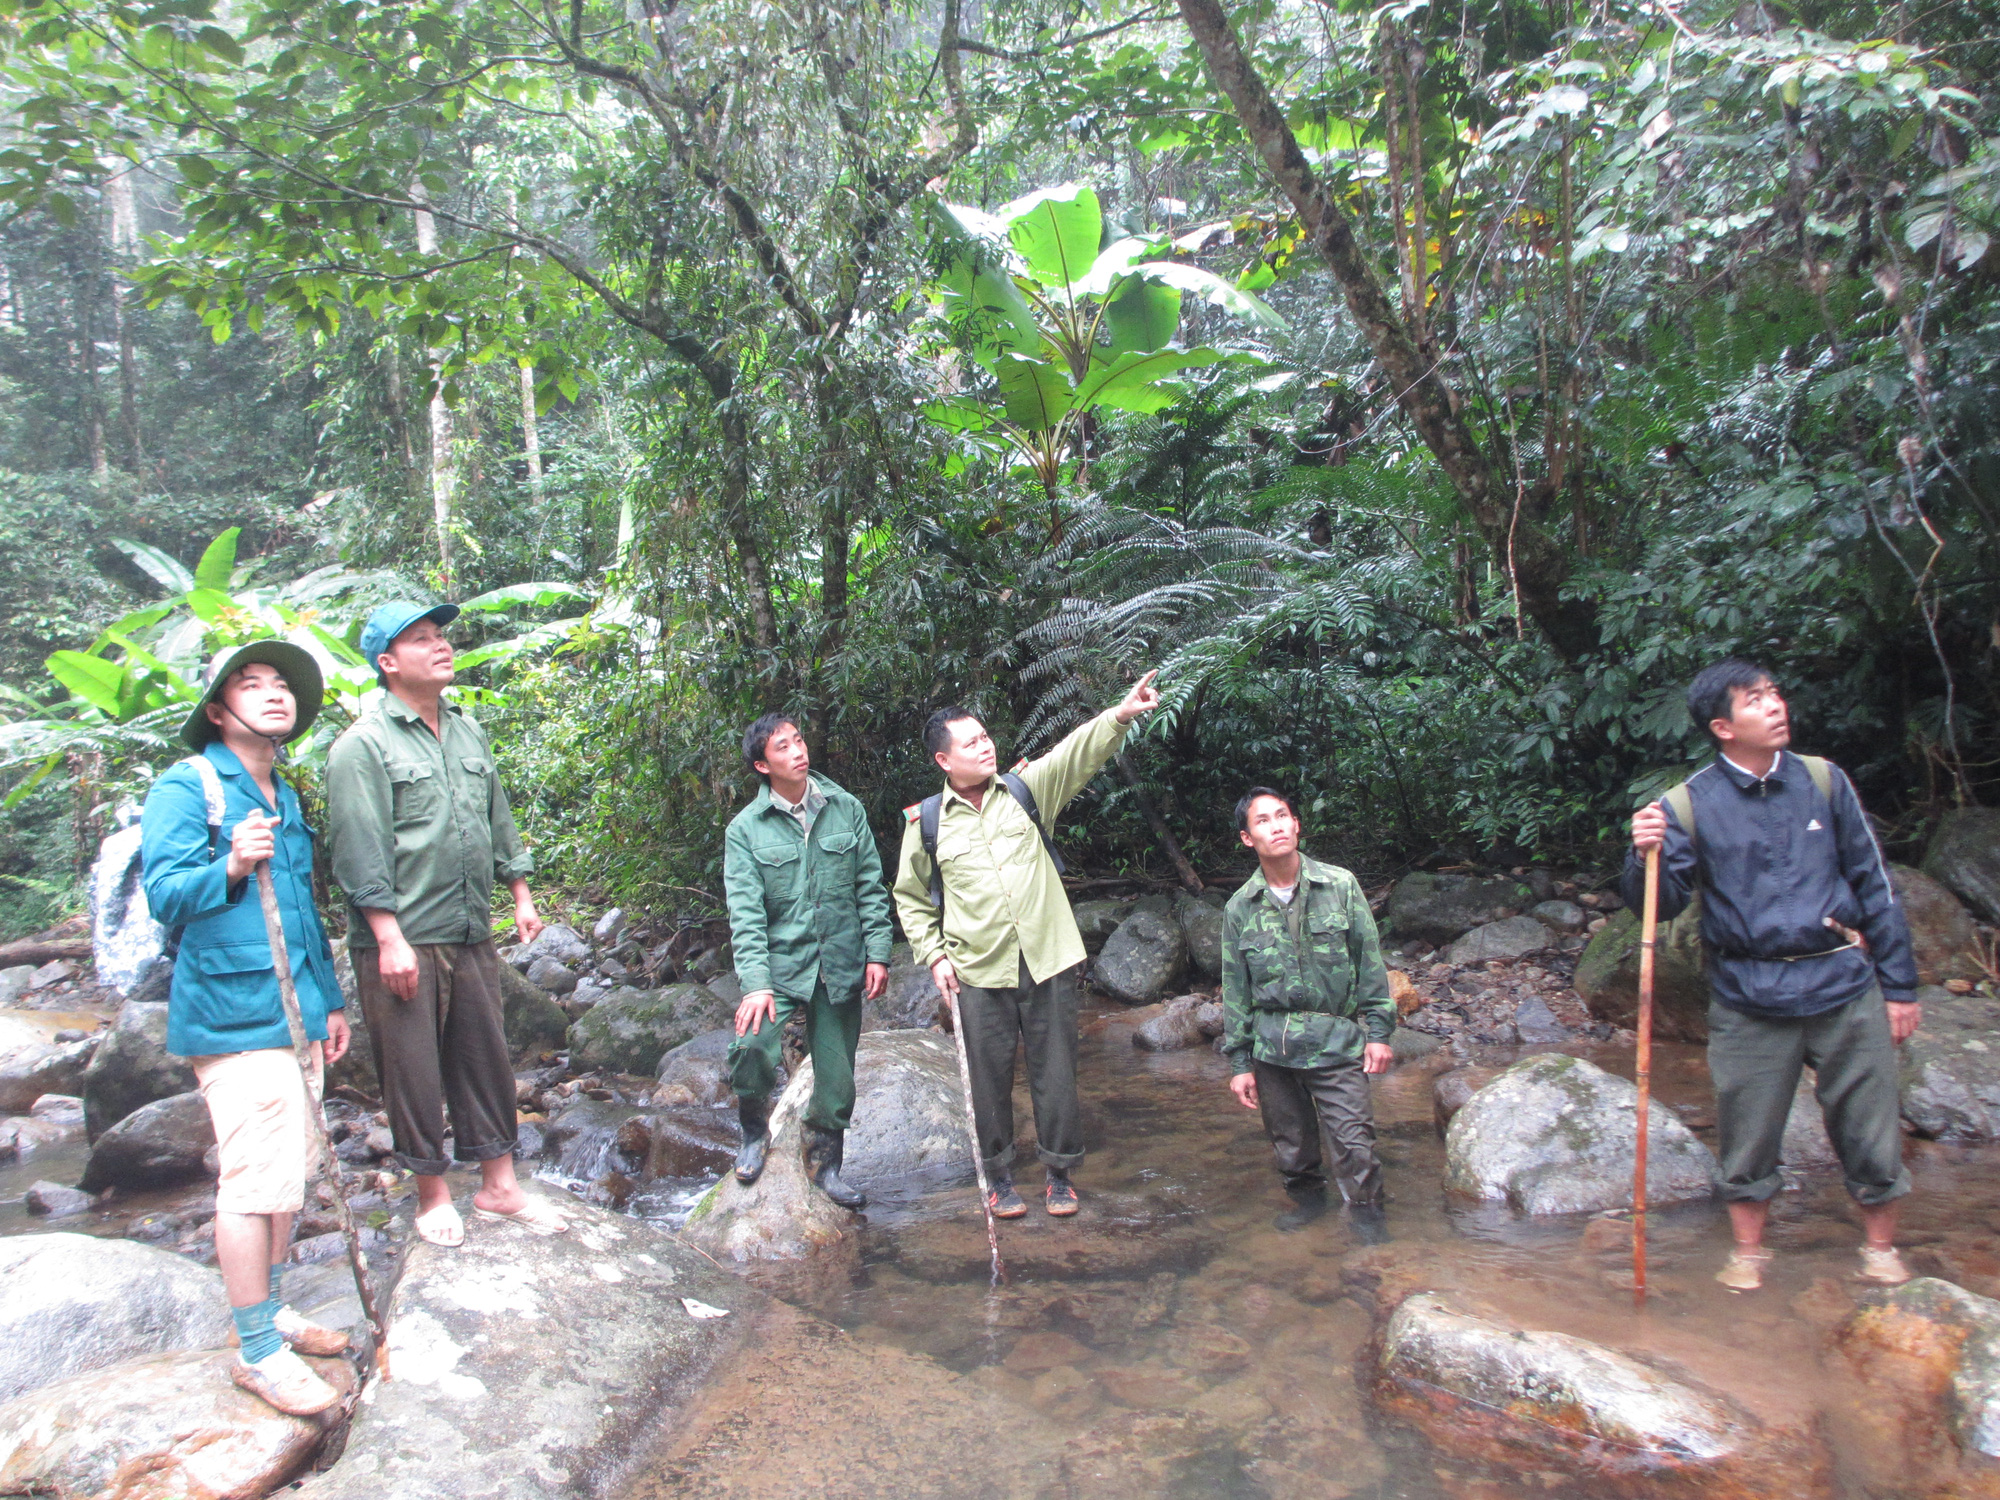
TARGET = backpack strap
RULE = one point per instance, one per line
(1821, 772)
(1019, 790)
(1681, 800)
(928, 812)
(211, 796)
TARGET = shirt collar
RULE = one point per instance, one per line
(397, 708)
(1311, 872)
(1744, 779)
(951, 794)
(224, 759)
(812, 801)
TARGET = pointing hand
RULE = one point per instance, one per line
(1143, 699)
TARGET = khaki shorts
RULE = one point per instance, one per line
(263, 1129)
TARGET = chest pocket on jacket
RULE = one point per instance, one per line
(413, 791)
(779, 865)
(1264, 956)
(1326, 939)
(834, 860)
(475, 785)
(1015, 842)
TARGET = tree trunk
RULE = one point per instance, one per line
(444, 473)
(93, 393)
(1188, 878)
(124, 209)
(1540, 566)
(531, 435)
(736, 519)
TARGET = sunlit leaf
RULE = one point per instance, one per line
(218, 563)
(169, 572)
(1056, 231)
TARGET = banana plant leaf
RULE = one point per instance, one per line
(1056, 231)
(1037, 394)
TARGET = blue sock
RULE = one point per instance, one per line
(277, 1278)
(254, 1328)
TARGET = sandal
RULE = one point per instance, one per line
(1883, 1267)
(1744, 1270)
(442, 1226)
(535, 1214)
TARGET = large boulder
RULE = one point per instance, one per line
(555, 941)
(909, 1112)
(36, 1068)
(1509, 938)
(1613, 1425)
(1607, 978)
(535, 1023)
(161, 1427)
(159, 1145)
(1950, 1070)
(1451, 1090)
(701, 1066)
(1437, 908)
(629, 1030)
(1964, 857)
(912, 998)
(1556, 1135)
(525, 1366)
(1174, 1026)
(1143, 960)
(132, 1066)
(71, 1303)
(1948, 1339)
(1097, 920)
(1565, 917)
(1201, 925)
(557, 979)
(1941, 930)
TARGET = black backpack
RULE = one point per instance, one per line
(932, 808)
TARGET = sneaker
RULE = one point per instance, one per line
(286, 1382)
(1883, 1267)
(1744, 1270)
(1061, 1199)
(1003, 1200)
(307, 1336)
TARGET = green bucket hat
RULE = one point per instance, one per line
(301, 671)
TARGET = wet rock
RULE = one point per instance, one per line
(701, 1066)
(1201, 926)
(583, 1141)
(1510, 938)
(1097, 920)
(1119, 1236)
(163, 1427)
(14, 982)
(1038, 1353)
(609, 930)
(1941, 930)
(38, 1068)
(71, 1303)
(163, 1144)
(1949, 1339)
(1409, 999)
(51, 1200)
(1148, 1385)
(555, 978)
(1950, 1070)
(629, 1030)
(1537, 1024)
(1555, 1135)
(909, 1112)
(1143, 960)
(1560, 916)
(132, 1065)
(1607, 978)
(555, 941)
(535, 1023)
(689, 1143)
(55, 971)
(1142, 1456)
(725, 988)
(1449, 1091)
(1172, 1027)
(1491, 1394)
(528, 1365)
(1964, 857)
(911, 1000)
(56, 1120)
(1438, 908)
(1408, 1045)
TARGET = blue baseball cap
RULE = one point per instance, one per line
(391, 620)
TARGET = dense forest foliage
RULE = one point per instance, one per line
(1426, 389)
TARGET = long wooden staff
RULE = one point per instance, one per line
(1649, 928)
(357, 1258)
(972, 1133)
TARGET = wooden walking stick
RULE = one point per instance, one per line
(1649, 928)
(972, 1132)
(281, 961)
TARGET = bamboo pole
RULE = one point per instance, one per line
(972, 1132)
(1649, 929)
(357, 1259)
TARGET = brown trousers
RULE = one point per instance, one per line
(444, 1049)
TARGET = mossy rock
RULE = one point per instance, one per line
(1607, 977)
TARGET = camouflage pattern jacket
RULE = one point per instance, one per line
(1303, 984)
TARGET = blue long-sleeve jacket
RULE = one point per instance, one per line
(1776, 859)
(225, 990)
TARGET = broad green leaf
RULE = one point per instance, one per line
(209, 604)
(22, 789)
(958, 415)
(1142, 315)
(333, 646)
(1055, 231)
(984, 299)
(534, 640)
(1213, 290)
(525, 596)
(1129, 381)
(1113, 263)
(1037, 394)
(175, 685)
(91, 678)
(169, 572)
(132, 624)
(218, 563)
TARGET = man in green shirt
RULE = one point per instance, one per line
(420, 833)
(809, 923)
(1306, 1012)
(1004, 947)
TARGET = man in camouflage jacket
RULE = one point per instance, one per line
(1307, 1012)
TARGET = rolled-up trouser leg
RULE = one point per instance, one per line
(1048, 1030)
(832, 1033)
(1347, 1119)
(1854, 1056)
(1292, 1124)
(992, 1022)
(478, 1069)
(1755, 1062)
(754, 1056)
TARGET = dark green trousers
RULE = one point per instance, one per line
(832, 1032)
(1043, 1017)
(1756, 1062)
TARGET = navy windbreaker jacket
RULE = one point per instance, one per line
(1776, 859)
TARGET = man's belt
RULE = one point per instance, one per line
(1782, 958)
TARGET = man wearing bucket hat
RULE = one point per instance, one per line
(420, 833)
(208, 823)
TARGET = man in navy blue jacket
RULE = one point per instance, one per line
(1808, 958)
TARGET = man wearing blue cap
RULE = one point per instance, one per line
(421, 833)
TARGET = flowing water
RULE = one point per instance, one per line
(1172, 1326)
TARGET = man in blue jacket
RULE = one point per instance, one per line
(208, 823)
(1808, 957)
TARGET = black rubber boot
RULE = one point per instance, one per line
(1308, 1204)
(756, 1117)
(1370, 1221)
(824, 1149)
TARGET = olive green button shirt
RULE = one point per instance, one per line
(418, 824)
(1003, 900)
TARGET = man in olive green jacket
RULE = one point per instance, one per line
(1306, 1012)
(809, 922)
